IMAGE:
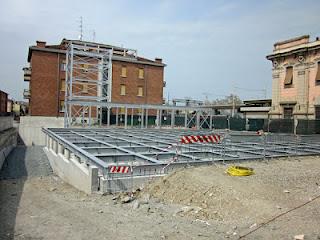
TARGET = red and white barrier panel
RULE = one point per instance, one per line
(119, 169)
(201, 138)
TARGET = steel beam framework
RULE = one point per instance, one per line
(157, 149)
(89, 80)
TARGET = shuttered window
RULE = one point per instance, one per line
(61, 107)
(123, 71)
(140, 91)
(63, 85)
(122, 90)
(85, 88)
(122, 110)
(141, 73)
(318, 75)
(289, 77)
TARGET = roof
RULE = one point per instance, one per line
(129, 56)
(257, 101)
(299, 48)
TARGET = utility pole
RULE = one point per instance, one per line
(233, 101)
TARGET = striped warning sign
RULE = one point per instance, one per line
(214, 138)
(119, 169)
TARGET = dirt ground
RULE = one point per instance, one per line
(193, 203)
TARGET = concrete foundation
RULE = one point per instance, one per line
(71, 170)
(6, 123)
(8, 141)
(30, 128)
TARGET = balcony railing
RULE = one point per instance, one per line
(26, 94)
(27, 73)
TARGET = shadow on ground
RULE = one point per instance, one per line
(22, 163)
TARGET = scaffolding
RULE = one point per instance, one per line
(88, 80)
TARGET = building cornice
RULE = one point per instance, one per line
(294, 50)
(114, 57)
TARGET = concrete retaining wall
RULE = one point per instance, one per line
(8, 141)
(30, 128)
(6, 123)
(69, 168)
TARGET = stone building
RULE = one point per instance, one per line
(296, 79)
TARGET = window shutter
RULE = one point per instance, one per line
(318, 73)
(289, 76)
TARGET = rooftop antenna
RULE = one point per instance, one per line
(93, 36)
(81, 29)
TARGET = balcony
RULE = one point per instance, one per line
(27, 73)
(26, 94)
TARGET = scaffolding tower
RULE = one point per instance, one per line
(88, 83)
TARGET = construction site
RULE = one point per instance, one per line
(101, 168)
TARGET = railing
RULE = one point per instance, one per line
(26, 94)
(27, 73)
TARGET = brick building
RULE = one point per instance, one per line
(134, 79)
(3, 102)
(296, 79)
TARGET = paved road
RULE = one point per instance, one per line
(25, 162)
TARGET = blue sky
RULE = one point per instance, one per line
(211, 48)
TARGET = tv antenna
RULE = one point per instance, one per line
(81, 29)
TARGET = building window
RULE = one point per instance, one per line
(140, 92)
(63, 85)
(122, 90)
(287, 112)
(63, 65)
(85, 88)
(318, 75)
(85, 68)
(61, 107)
(122, 110)
(123, 71)
(317, 112)
(141, 73)
(289, 77)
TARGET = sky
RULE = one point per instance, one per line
(211, 48)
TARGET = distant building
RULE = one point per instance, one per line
(135, 79)
(296, 79)
(256, 109)
(3, 102)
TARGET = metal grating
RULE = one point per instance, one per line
(159, 148)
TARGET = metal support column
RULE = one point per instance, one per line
(157, 119)
(117, 116)
(125, 117)
(131, 117)
(172, 118)
(198, 120)
(108, 117)
(160, 118)
(210, 120)
(186, 119)
(146, 122)
(89, 120)
(142, 117)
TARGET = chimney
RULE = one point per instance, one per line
(41, 44)
(158, 60)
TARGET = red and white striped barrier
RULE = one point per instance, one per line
(201, 138)
(119, 169)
